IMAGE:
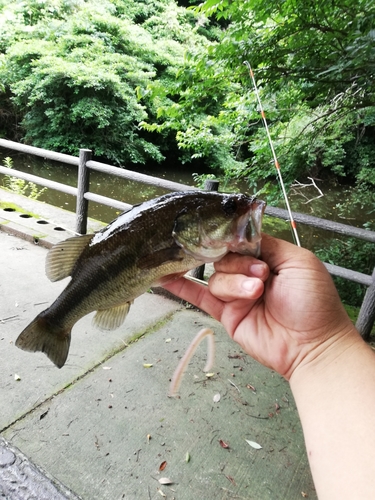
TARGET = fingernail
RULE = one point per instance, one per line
(248, 285)
(257, 270)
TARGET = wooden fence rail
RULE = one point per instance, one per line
(84, 164)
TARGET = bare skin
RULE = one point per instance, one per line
(285, 312)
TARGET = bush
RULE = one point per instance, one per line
(352, 254)
(76, 71)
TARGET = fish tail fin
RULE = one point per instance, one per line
(40, 335)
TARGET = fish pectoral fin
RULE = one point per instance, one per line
(43, 337)
(63, 256)
(112, 318)
(169, 278)
(155, 259)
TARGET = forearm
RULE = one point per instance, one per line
(335, 396)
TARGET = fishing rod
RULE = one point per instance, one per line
(277, 165)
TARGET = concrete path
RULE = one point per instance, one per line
(103, 427)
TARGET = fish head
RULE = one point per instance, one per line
(219, 224)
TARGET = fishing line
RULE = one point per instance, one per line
(277, 165)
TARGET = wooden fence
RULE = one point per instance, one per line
(84, 164)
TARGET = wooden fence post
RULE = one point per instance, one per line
(366, 317)
(209, 185)
(82, 186)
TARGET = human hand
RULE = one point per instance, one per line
(283, 310)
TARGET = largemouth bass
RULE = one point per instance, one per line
(151, 244)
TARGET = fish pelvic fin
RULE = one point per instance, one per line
(110, 319)
(41, 336)
(62, 257)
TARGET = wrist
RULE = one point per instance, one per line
(328, 357)
(333, 390)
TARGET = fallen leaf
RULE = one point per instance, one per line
(163, 465)
(223, 444)
(253, 444)
(147, 365)
(235, 356)
(249, 386)
(165, 480)
(217, 398)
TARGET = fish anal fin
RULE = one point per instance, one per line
(63, 256)
(39, 335)
(112, 318)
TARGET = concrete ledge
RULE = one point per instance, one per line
(26, 233)
(35, 221)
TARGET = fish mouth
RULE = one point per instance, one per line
(248, 230)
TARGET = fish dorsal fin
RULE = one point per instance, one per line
(110, 319)
(62, 256)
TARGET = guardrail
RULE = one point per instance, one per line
(84, 164)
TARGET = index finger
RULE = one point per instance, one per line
(235, 263)
(198, 295)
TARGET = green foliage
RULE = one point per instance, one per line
(75, 71)
(146, 80)
(200, 179)
(352, 254)
(329, 47)
(20, 186)
(314, 67)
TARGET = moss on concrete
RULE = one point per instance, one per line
(17, 208)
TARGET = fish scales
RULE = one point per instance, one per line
(150, 244)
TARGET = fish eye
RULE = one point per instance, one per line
(230, 206)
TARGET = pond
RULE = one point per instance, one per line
(330, 205)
